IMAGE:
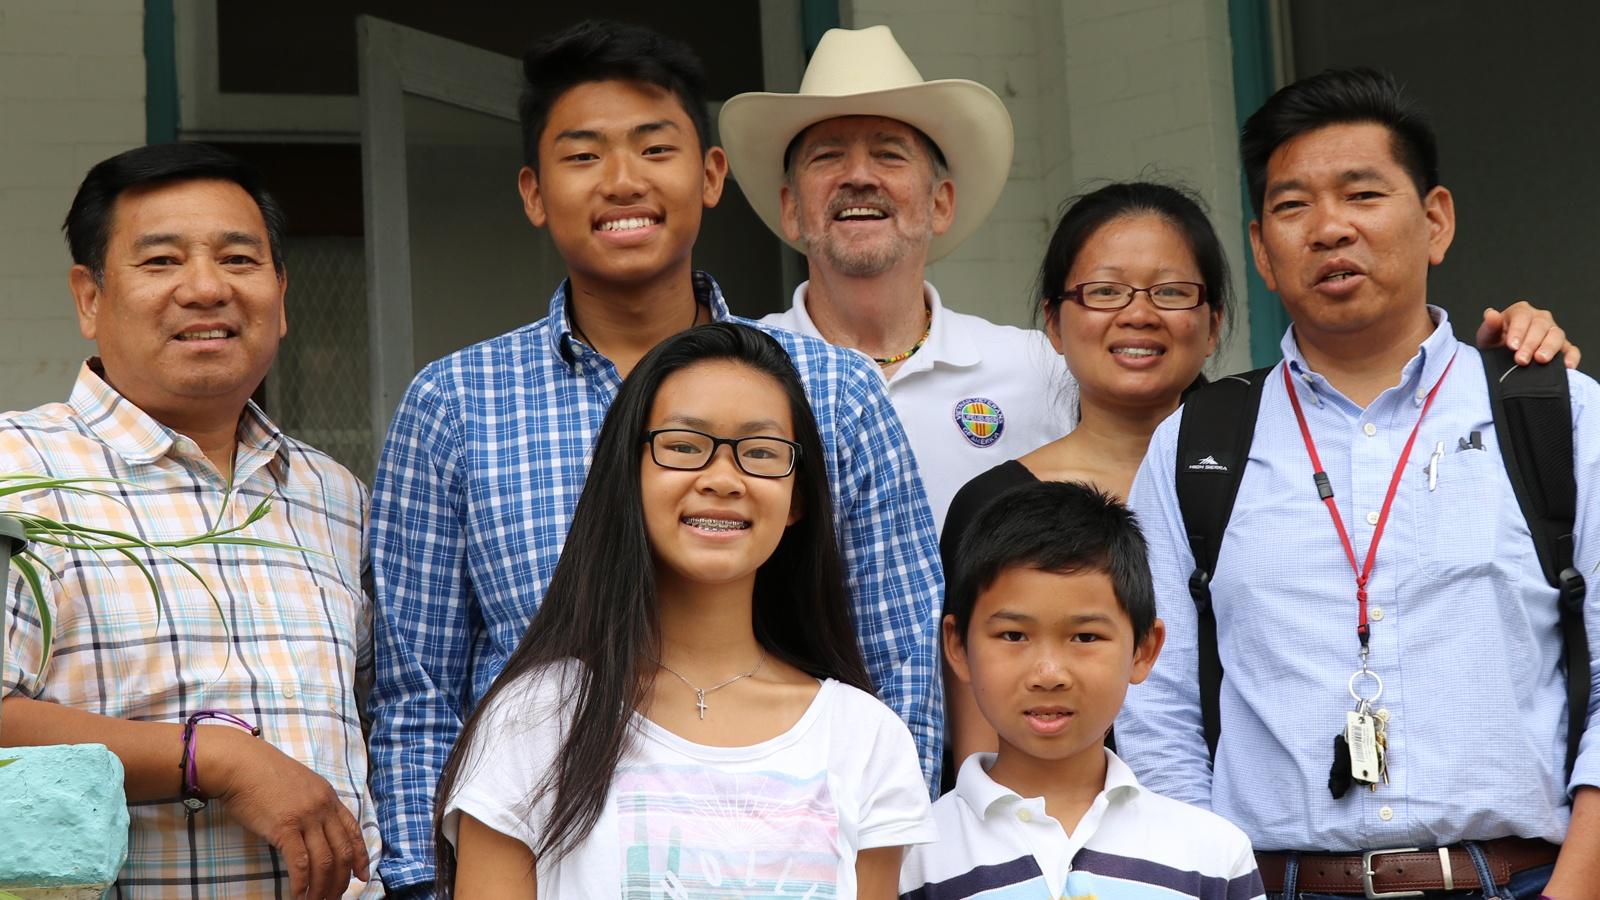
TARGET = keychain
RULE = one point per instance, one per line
(1359, 750)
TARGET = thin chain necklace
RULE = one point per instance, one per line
(700, 693)
(891, 360)
(572, 316)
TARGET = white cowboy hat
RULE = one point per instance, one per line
(865, 73)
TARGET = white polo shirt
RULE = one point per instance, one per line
(1132, 844)
(975, 395)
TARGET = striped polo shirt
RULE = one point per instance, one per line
(1132, 844)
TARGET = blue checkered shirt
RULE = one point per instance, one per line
(480, 473)
(1464, 625)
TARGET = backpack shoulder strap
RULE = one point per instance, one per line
(1532, 409)
(1219, 422)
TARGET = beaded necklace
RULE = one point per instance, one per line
(891, 360)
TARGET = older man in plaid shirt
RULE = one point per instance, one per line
(179, 280)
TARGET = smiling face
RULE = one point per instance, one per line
(1138, 355)
(1049, 657)
(189, 311)
(621, 183)
(716, 525)
(1343, 237)
(862, 197)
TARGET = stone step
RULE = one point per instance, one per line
(63, 821)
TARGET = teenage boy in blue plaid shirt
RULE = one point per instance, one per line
(488, 452)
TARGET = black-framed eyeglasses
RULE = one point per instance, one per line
(681, 448)
(1114, 295)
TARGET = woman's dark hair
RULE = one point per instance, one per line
(1086, 214)
(599, 50)
(601, 610)
(88, 224)
(1338, 97)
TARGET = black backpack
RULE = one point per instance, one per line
(1532, 411)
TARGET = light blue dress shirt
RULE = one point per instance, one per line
(1464, 629)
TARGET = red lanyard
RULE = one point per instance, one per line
(1325, 491)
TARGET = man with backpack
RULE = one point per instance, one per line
(1390, 693)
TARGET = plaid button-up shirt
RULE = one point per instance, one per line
(283, 652)
(480, 474)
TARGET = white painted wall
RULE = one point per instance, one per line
(1098, 90)
(71, 94)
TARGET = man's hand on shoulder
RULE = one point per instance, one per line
(291, 807)
(1529, 331)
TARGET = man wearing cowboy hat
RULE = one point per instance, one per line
(862, 171)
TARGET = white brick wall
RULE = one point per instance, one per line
(71, 94)
(1097, 90)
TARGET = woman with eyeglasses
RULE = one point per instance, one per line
(689, 709)
(1133, 292)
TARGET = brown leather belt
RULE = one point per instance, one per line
(1405, 872)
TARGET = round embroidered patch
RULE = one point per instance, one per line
(980, 420)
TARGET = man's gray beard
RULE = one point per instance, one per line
(861, 262)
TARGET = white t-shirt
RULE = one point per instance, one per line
(782, 818)
(975, 395)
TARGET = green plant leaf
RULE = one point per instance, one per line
(44, 530)
(3, 764)
(21, 484)
(46, 623)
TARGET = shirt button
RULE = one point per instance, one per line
(259, 598)
(1421, 395)
(1370, 429)
(1376, 614)
(1385, 813)
(1024, 815)
(289, 692)
(1372, 517)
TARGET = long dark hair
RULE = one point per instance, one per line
(601, 605)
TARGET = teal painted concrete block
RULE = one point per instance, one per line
(63, 821)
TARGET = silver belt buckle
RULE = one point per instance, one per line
(1367, 873)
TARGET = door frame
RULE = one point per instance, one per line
(396, 61)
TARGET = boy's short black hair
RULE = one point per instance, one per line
(1060, 527)
(88, 224)
(600, 50)
(1340, 97)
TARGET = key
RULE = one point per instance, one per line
(1382, 738)
(1360, 735)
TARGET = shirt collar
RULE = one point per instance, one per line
(987, 797)
(946, 345)
(570, 348)
(139, 439)
(1433, 354)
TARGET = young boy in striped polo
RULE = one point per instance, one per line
(1050, 616)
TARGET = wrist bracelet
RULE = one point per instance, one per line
(193, 800)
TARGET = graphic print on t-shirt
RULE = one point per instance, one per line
(690, 831)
